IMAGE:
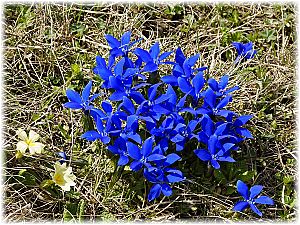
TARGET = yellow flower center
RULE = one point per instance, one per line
(28, 142)
(59, 179)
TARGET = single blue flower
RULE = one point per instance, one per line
(82, 102)
(219, 88)
(235, 127)
(120, 48)
(63, 156)
(143, 157)
(215, 154)
(192, 87)
(152, 107)
(152, 58)
(250, 199)
(174, 107)
(244, 50)
(163, 133)
(129, 131)
(183, 68)
(162, 176)
(184, 133)
(213, 105)
(119, 148)
(124, 87)
(101, 133)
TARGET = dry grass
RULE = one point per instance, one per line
(43, 41)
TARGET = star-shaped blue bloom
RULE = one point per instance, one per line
(244, 50)
(250, 198)
(82, 102)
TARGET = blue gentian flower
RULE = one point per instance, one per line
(129, 131)
(213, 105)
(143, 156)
(82, 102)
(244, 50)
(101, 133)
(250, 198)
(120, 48)
(183, 68)
(153, 107)
(63, 156)
(215, 154)
(236, 128)
(152, 58)
(119, 148)
(183, 134)
(163, 133)
(219, 88)
(194, 87)
(124, 88)
(162, 176)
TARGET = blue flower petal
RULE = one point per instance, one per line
(117, 96)
(242, 120)
(86, 92)
(164, 55)
(171, 158)
(240, 206)
(150, 67)
(255, 190)
(255, 209)
(125, 39)
(123, 160)
(112, 41)
(155, 157)
(166, 190)
(169, 79)
(215, 164)
(264, 200)
(147, 146)
(223, 82)
(242, 189)
(136, 165)
(73, 105)
(154, 50)
(106, 106)
(143, 54)
(133, 151)
(203, 154)
(213, 84)
(91, 135)
(244, 132)
(184, 85)
(73, 96)
(154, 192)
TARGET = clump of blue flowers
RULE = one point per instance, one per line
(150, 117)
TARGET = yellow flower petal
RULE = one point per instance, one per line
(22, 134)
(36, 147)
(22, 146)
(33, 136)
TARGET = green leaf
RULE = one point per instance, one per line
(75, 69)
(69, 212)
(46, 183)
(229, 190)
(288, 179)
(246, 176)
(80, 210)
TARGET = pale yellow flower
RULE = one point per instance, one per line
(29, 142)
(63, 176)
